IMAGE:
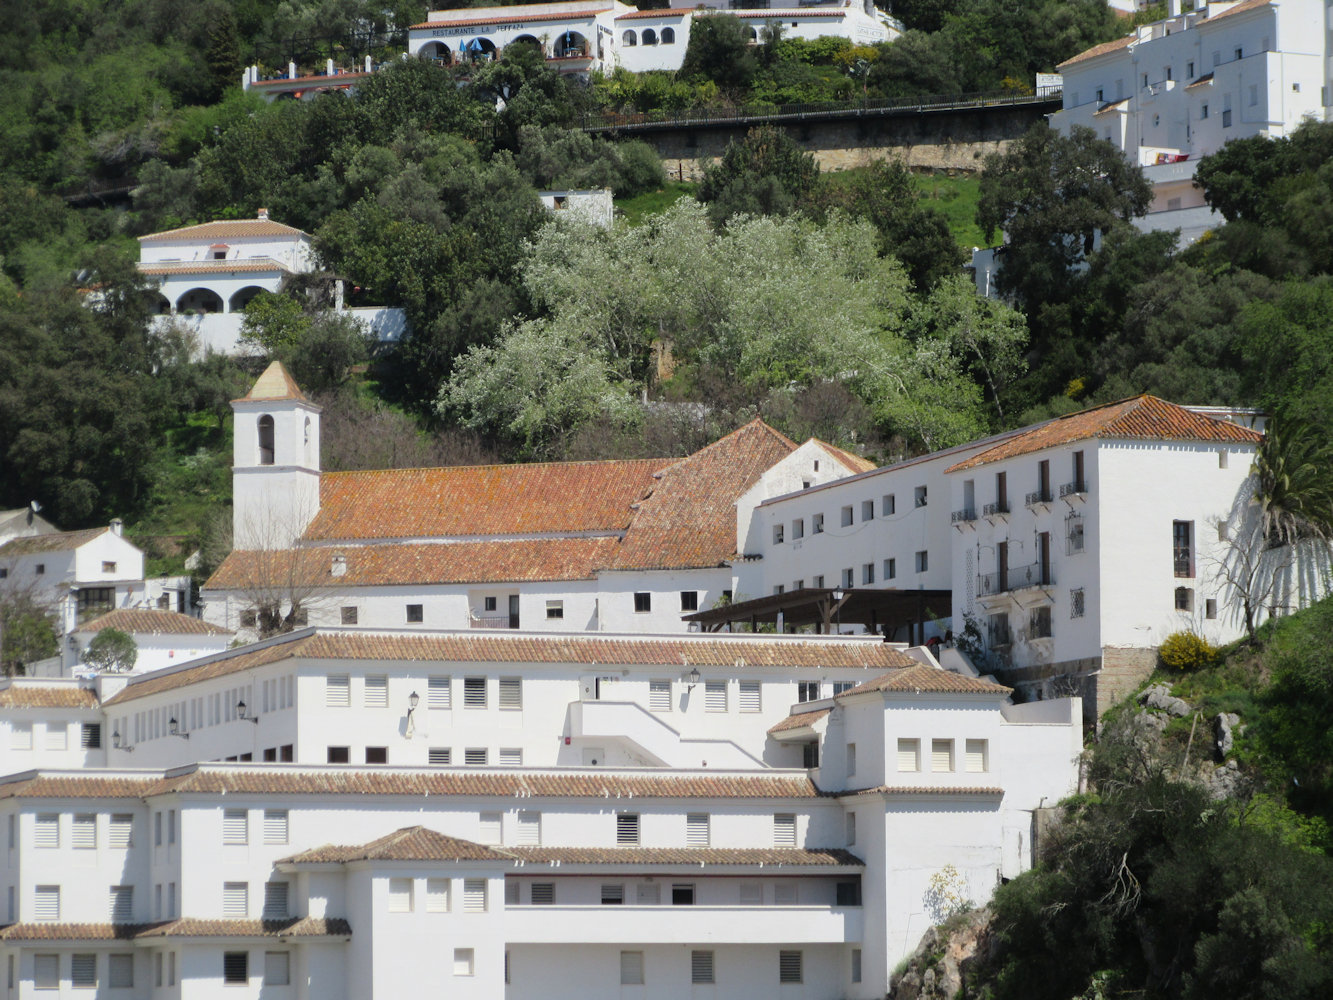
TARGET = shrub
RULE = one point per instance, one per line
(1185, 651)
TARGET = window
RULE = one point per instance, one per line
(643, 602)
(122, 904)
(338, 691)
(1254, 99)
(511, 693)
(818, 583)
(474, 895)
(20, 736)
(777, 534)
(1182, 548)
(275, 826)
(798, 528)
(1203, 111)
(83, 831)
(235, 899)
(277, 968)
(437, 895)
(46, 832)
(511, 756)
(347, 615)
(749, 696)
(1226, 118)
(1077, 603)
(631, 963)
(376, 694)
(121, 830)
(91, 736)
(555, 610)
(668, 36)
(807, 691)
(511, 892)
(976, 757)
(529, 828)
(696, 830)
(846, 516)
(46, 972)
(235, 826)
(400, 895)
(415, 614)
(659, 696)
(438, 693)
(235, 968)
(867, 574)
(40, 569)
(464, 961)
(1210, 608)
(265, 440)
(1184, 598)
(848, 579)
(613, 894)
(856, 965)
(157, 829)
(922, 561)
(1039, 622)
(120, 972)
(489, 603)
(1074, 534)
(627, 829)
(57, 736)
(474, 692)
(715, 696)
(1222, 458)
(682, 894)
(851, 829)
(919, 496)
(475, 757)
(817, 524)
(941, 755)
(339, 755)
(784, 830)
(275, 900)
(789, 967)
(543, 893)
(701, 967)
(689, 600)
(810, 754)
(851, 759)
(867, 510)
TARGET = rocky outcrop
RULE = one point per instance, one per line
(1224, 726)
(1159, 697)
(938, 969)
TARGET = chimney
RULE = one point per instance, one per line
(339, 567)
(117, 526)
(263, 215)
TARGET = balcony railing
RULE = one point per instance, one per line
(492, 621)
(1036, 497)
(998, 507)
(1014, 578)
(1073, 489)
(964, 515)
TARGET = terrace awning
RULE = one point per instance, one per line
(887, 610)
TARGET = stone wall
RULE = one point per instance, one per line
(1123, 670)
(1100, 681)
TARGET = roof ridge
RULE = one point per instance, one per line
(497, 465)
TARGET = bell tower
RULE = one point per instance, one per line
(275, 463)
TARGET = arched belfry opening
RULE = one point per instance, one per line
(265, 440)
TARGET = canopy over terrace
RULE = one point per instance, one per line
(884, 611)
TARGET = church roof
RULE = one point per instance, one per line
(275, 384)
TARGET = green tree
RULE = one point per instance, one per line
(719, 50)
(26, 633)
(766, 173)
(111, 650)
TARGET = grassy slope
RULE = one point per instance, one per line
(641, 206)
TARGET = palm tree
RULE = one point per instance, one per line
(1294, 469)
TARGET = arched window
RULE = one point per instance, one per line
(668, 36)
(265, 440)
(754, 35)
(649, 37)
(629, 38)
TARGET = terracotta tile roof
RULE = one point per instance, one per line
(61, 541)
(942, 790)
(252, 265)
(1121, 105)
(799, 721)
(144, 621)
(224, 229)
(855, 463)
(413, 843)
(713, 650)
(691, 856)
(462, 501)
(523, 560)
(42, 931)
(1142, 418)
(689, 520)
(292, 927)
(275, 384)
(1206, 78)
(64, 786)
(319, 77)
(47, 696)
(1100, 50)
(636, 15)
(786, 13)
(572, 15)
(1239, 8)
(921, 679)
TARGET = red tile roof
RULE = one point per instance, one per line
(470, 500)
(71, 932)
(1142, 418)
(224, 229)
(693, 857)
(800, 720)
(216, 267)
(46, 696)
(854, 462)
(1100, 50)
(636, 15)
(689, 520)
(414, 843)
(1239, 8)
(944, 790)
(712, 650)
(314, 78)
(65, 786)
(275, 384)
(188, 927)
(60, 541)
(145, 621)
(513, 18)
(523, 560)
(921, 679)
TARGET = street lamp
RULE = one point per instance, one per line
(240, 713)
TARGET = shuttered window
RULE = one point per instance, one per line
(631, 968)
(236, 967)
(235, 826)
(750, 696)
(400, 895)
(377, 692)
(46, 972)
(701, 967)
(122, 829)
(543, 893)
(440, 755)
(648, 894)
(57, 736)
(785, 894)
(275, 900)
(784, 830)
(941, 755)
(474, 692)
(696, 830)
(439, 693)
(511, 693)
(715, 696)
(122, 904)
(46, 902)
(338, 691)
(659, 696)
(474, 895)
(511, 756)
(46, 833)
(275, 826)
(627, 829)
(437, 895)
(789, 967)
(490, 828)
(974, 761)
(277, 968)
(20, 736)
(529, 828)
(236, 899)
(909, 755)
(511, 892)
(120, 972)
(83, 971)
(90, 737)
(752, 893)
(83, 832)
(613, 894)
(475, 756)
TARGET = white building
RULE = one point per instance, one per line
(623, 546)
(163, 638)
(1176, 90)
(207, 274)
(525, 879)
(593, 206)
